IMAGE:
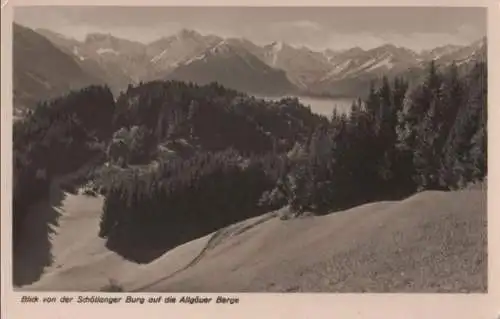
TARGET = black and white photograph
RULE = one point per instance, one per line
(249, 149)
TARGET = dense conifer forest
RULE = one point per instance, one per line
(176, 161)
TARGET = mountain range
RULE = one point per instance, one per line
(47, 63)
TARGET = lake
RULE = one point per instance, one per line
(323, 106)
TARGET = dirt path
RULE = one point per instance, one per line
(431, 242)
(215, 239)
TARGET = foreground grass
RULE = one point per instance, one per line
(430, 242)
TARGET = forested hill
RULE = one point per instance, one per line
(183, 160)
(213, 118)
(149, 123)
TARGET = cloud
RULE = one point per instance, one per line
(306, 24)
(294, 32)
(415, 40)
(134, 33)
(298, 24)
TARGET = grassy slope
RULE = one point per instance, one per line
(430, 242)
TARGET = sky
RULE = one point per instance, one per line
(417, 28)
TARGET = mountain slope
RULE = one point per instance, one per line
(430, 242)
(476, 51)
(41, 70)
(353, 70)
(234, 67)
(117, 62)
(303, 66)
(120, 62)
(116, 55)
(167, 53)
(438, 52)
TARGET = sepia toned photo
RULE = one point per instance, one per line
(249, 149)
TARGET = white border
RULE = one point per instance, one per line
(267, 305)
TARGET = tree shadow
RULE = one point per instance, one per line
(32, 254)
(133, 245)
(135, 248)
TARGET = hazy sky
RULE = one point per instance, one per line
(331, 27)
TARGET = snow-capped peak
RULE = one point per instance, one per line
(386, 62)
(98, 37)
(77, 54)
(277, 46)
(439, 52)
(196, 58)
(221, 47)
(158, 57)
(102, 51)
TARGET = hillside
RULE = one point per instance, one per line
(234, 68)
(41, 70)
(430, 242)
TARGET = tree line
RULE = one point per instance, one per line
(399, 140)
(193, 159)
